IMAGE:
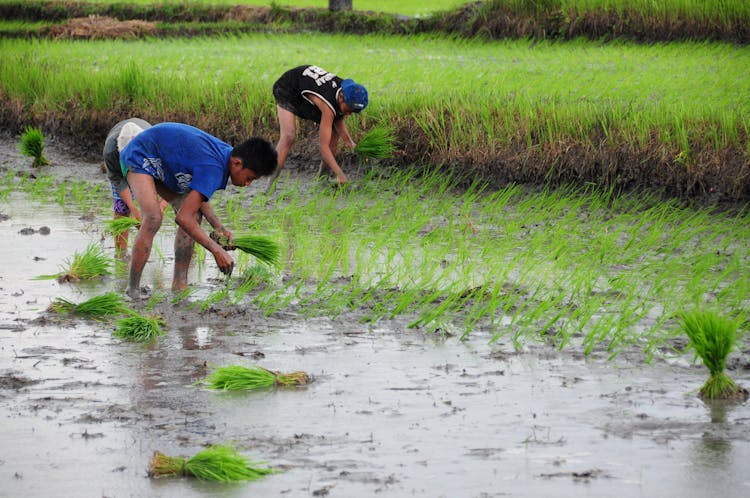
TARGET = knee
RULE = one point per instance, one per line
(151, 221)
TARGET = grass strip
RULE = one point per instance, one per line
(216, 463)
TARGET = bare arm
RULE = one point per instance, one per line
(343, 132)
(213, 220)
(187, 219)
(326, 132)
(127, 198)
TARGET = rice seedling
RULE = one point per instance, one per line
(262, 248)
(239, 378)
(93, 262)
(713, 337)
(118, 226)
(216, 463)
(98, 307)
(32, 144)
(378, 143)
(136, 327)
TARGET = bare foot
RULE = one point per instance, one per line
(137, 294)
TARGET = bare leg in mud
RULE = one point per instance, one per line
(184, 247)
(145, 190)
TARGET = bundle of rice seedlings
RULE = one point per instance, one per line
(713, 337)
(136, 327)
(91, 263)
(32, 144)
(118, 226)
(378, 143)
(262, 248)
(239, 378)
(101, 306)
(216, 463)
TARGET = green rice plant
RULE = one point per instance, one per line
(102, 306)
(713, 337)
(118, 226)
(32, 144)
(139, 328)
(216, 463)
(93, 262)
(262, 248)
(378, 143)
(239, 378)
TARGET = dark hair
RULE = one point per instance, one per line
(258, 155)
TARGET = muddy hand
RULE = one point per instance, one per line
(224, 261)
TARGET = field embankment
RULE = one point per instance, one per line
(672, 117)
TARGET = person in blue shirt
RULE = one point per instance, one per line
(185, 166)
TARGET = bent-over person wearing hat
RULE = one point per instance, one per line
(185, 166)
(312, 93)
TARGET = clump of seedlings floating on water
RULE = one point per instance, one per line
(713, 337)
(139, 328)
(93, 262)
(378, 143)
(239, 378)
(32, 145)
(97, 307)
(258, 246)
(216, 463)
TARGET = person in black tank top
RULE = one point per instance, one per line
(312, 93)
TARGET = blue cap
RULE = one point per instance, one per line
(355, 95)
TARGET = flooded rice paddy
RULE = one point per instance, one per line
(391, 411)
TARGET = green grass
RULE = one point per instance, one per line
(408, 7)
(216, 463)
(467, 96)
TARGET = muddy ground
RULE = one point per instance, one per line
(391, 412)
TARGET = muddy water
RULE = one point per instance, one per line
(390, 412)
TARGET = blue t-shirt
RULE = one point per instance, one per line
(180, 156)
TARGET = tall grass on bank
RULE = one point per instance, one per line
(459, 100)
